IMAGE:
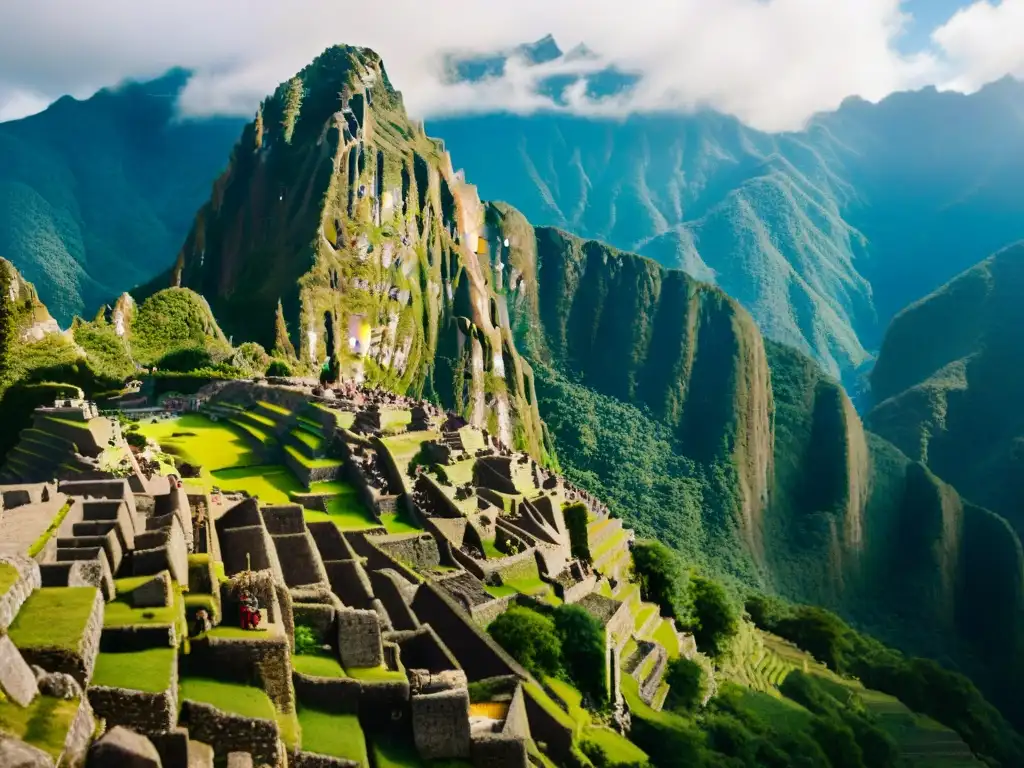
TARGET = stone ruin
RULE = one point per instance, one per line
(401, 616)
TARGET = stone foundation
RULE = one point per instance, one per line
(228, 733)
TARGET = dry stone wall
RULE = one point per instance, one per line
(29, 579)
(228, 733)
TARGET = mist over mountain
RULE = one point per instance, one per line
(822, 234)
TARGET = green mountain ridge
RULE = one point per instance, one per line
(96, 195)
(777, 482)
(949, 378)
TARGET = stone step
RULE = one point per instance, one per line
(200, 755)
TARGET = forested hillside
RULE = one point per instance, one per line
(97, 195)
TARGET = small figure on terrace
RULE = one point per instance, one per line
(250, 611)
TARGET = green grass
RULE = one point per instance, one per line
(38, 544)
(148, 670)
(333, 735)
(375, 674)
(643, 616)
(394, 421)
(300, 457)
(500, 591)
(279, 410)
(273, 483)
(44, 723)
(398, 522)
(620, 750)
(460, 472)
(8, 577)
(237, 633)
(311, 441)
(212, 445)
(615, 541)
(572, 697)
(536, 693)
(53, 617)
(119, 612)
(319, 665)
(346, 510)
(244, 700)
(491, 550)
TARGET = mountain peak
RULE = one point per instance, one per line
(540, 51)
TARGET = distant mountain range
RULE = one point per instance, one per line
(96, 196)
(823, 235)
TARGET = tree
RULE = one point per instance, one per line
(258, 126)
(292, 102)
(530, 639)
(689, 681)
(8, 331)
(713, 619)
(278, 368)
(585, 660)
(282, 343)
(660, 576)
(576, 522)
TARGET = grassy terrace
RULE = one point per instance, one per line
(376, 674)
(44, 723)
(308, 439)
(665, 636)
(120, 612)
(148, 670)
(225, 455)
(305, 461)
(319, 665)
(275, 409)
(642, 616)
(615, 541)
(333, 735)
(344, 507)
(244, 700)
(618, 748)
(53, 617)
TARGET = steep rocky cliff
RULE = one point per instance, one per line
(781, 484)
(337, 205)
(950, 379)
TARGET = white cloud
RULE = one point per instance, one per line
(770, 62)
(982, 43)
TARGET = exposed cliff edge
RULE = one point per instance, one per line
(341, 208)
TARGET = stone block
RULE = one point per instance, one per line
(239, 760)
(16, 677)
(440, 724)
(155, 593)
(15, 753)
(359, 640)
(123, 748)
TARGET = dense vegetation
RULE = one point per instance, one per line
(921, 684)
(566, 641)
(96, 196)
(949, 381)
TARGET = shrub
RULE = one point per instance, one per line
(185, 360)
(689, 681)
(595, 753)
(278, 368)
(135, 439)
(305, 640)
(576, 523)
(250, 358)
(530, 639)
(658, 571)
(585, 663)
(713, 619)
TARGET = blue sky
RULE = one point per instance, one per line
(928, 15)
